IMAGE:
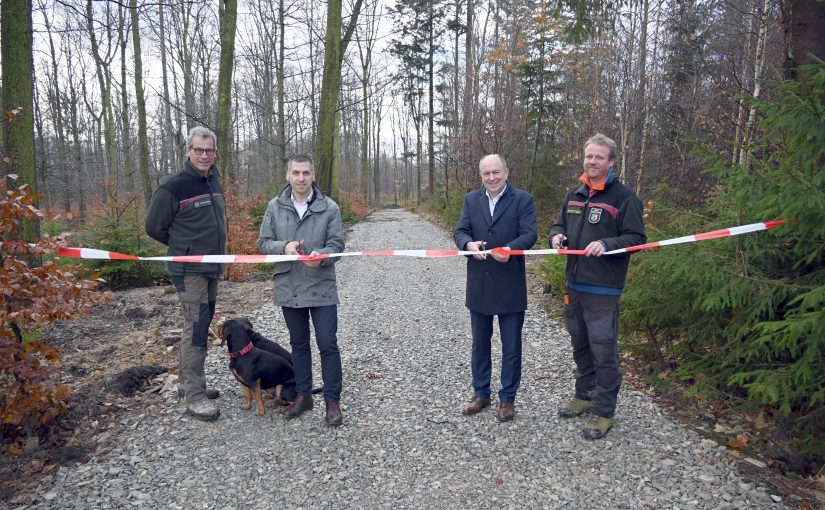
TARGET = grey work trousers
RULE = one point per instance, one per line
(593, 323)
(197, 299)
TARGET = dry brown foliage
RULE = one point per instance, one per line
(241, 235)
(31, 296)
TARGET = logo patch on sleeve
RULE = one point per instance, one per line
(595, 215)
(574, 210)
(203, 203)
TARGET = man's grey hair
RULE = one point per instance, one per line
(299, 158)
(500, 158)
(600, 139)
(203, 132)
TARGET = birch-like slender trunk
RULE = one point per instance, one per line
(758, 66)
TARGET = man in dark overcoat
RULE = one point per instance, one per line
(496, 216)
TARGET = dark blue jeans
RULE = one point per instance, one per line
(325, 322)
(593, 323)
(482, 327)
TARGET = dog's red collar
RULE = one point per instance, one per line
(243, 351)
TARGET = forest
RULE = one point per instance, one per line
(718, 109)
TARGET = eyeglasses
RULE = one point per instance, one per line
(201, 152)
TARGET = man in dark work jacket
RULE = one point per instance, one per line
(187, 215)
(496, 216)
(597, 216)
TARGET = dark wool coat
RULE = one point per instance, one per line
(496, 288)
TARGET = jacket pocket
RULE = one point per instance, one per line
(320, 273)
(572, 321)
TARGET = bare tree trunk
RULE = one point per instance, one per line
(74, 126)
(646, 117)
(628, 92)
(281, 121)
(431, 110)
(126, 129)
(228, 15)
(61, 159)
(329, 99)
(169, 150)
(803, 31)
(313, 107)
(367, 42)
(376, 171)
(333, 57)
(186, 63)
(104, 80)
(742, 111)
(469, 94)
(18, 94)
(140, 98)
(758, 65)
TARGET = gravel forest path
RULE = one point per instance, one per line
(405, 344)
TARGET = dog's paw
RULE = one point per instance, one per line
(246, 406)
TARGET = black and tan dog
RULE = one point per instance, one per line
(260, 341)
(256, 368)
(287, 392)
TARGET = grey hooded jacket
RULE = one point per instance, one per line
(296, 284)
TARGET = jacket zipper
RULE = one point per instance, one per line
(578, 236)
(215, 212)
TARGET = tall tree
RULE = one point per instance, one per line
(803, 31)
(419, 24)
(104, 79)
(280, 92)
(761, 14)
(125, 123)
(336, 46)
(17, 94)
(55, 94)
(367, 41)
(228, 14)
(170, 154)
(140, 98)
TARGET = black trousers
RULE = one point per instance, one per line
(325, 322)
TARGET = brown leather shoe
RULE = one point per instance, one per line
(476, 405)
(506, 411)
(302, 404)
(333, 417)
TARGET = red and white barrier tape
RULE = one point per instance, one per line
(90, 253)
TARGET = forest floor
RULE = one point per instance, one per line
(116, 361)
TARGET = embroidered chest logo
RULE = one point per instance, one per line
(595, 215)
(574, 210)
(203, 203)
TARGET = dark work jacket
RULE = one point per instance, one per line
(496, 288)
(187, 215)
(612, 216)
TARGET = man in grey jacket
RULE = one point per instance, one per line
(187, 215)
(301, 220)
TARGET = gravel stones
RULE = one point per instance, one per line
(404, 335)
